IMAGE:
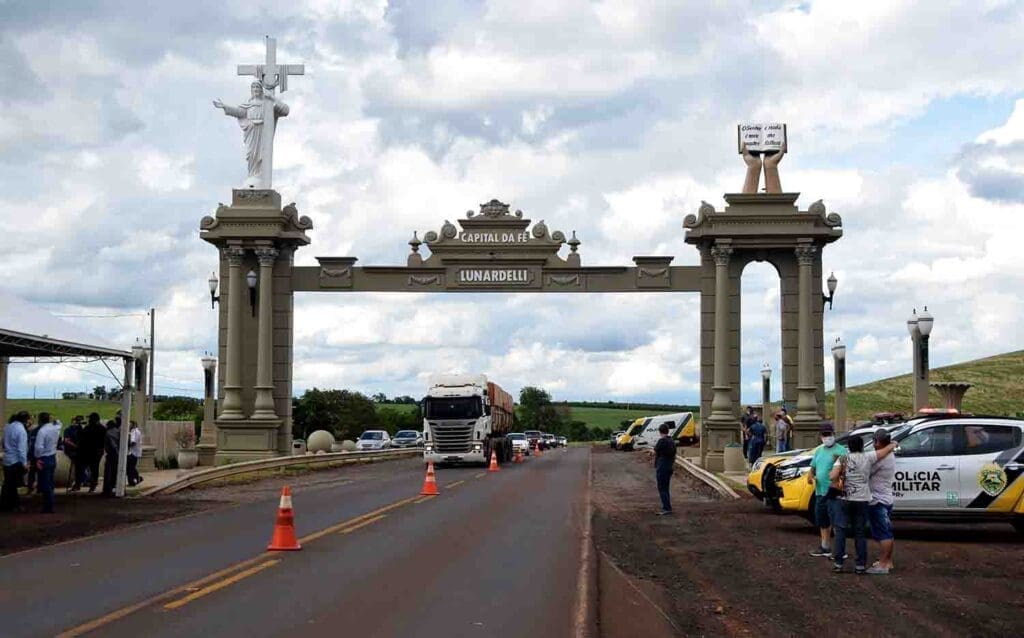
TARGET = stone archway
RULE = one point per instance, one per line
(760, 227)
(496, 250)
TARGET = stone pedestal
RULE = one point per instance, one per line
(147, 462)
(254, 233)
(952, 393)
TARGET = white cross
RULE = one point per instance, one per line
(272, 74)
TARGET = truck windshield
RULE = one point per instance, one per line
(454, 408)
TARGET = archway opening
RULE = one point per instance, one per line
(760, 336)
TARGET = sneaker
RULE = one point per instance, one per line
(845, 556)
(859, 570)
(837, 568)
(821, 551)
(665, 513)
(877, 570)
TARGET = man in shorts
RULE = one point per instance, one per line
(826, 496)
(880, 508)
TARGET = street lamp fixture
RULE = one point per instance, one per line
(214, 298)
(839, 349)
(924, 322)
(139, 351)
(912, 324)
(766, 371)
(250, 279)
(209, 361)
(831, 282)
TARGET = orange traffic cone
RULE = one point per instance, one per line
(429, 483)
(538, 449)
(494, 462)
(519, 456)
(284, 529)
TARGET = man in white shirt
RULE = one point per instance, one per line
(134, 453)
(883, 472)
(46, 458)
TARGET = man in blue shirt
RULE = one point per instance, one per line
(46, 457)
(15, 442)
(827, 506)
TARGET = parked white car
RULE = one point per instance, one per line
(373, 440)
(520, 442)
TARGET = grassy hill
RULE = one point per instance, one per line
(998, 389)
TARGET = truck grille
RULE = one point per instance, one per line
(451, 438)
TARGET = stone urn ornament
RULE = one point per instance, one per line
(188, 456)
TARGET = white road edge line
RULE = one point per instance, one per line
(583, 579)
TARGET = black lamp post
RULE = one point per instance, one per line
(250, 279)
(214, 297)
(831, 282)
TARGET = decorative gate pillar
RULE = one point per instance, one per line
(231, 406)
(760, 227)
(806, 403)
(264, 406)
(255, 380)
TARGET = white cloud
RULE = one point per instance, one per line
(614, 119)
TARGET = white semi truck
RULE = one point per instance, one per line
(465, 417)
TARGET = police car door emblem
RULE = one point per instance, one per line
(992, 479)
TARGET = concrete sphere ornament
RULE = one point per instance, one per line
(320, 441)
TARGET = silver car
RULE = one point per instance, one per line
(407, 438)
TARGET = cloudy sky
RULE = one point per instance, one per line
(614, 119)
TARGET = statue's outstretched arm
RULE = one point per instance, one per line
(753, 163)
(233, 111)
(772, 183)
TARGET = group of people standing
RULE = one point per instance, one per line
(30, 455)
(755, 433)
(853, 490)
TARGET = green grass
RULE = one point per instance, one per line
(63, 409)
(998, 389)
(610, 418)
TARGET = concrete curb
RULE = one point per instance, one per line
(586, 581)
(224, 471)
(710, 478)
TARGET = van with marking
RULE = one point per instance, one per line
(676, 422)
(627, 439)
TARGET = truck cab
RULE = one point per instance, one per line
(465, 418)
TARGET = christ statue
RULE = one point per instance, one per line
(258, 118)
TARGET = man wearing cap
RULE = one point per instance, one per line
(883, 472)
(827, 505)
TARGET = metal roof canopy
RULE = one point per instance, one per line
(29, 332)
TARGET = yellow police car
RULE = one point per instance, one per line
(948, 467)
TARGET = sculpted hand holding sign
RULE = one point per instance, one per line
(772, 184)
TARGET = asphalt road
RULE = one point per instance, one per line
(493, 555)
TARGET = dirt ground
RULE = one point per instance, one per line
(722, 568)
(82, 514)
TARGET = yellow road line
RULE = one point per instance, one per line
(423, 498)
(480, 474)
(349, 530)
(456, 483)
(340, 526)
(118, 614)
(221, 584)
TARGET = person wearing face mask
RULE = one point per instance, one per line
(827, 508)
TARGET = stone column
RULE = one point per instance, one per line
(207, 446)
(722, 426)
(807, 402)
(840, 371)
(231, 408)
(264, 404)
(921, 378)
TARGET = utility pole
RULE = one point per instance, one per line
(152, 344)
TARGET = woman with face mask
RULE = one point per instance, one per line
(828, 507)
